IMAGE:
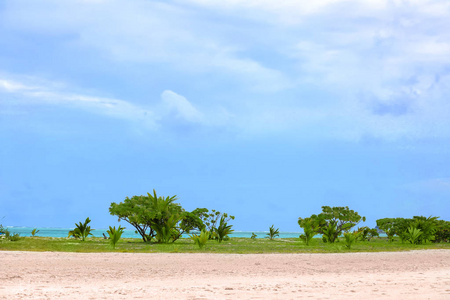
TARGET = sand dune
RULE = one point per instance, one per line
(394, 275)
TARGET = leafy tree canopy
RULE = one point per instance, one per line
(156, 217)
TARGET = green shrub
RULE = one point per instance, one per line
(442, 234)
(202, 239)
(413, 234)
(310, 229)
(223, 230)
(350, 238)
(211, 220)
(366, 233)
(330, 232)
(157, 217)
(34, 232)
(253, 236)
(114, 235)
(82, 230)
(332, 222)
(273, 233)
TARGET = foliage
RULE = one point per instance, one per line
(34, 232)
(13, 237)
(211, 219)
(413, 234)
(442, 234)
(200, 240)
(366, 233)
(427, 226)
(223, 230)
(273, 233)
(82, 230)
(400, 227)
(330, 232)
(333, 221)
(114, 235)
(253, 236)
(157, 217)
(350, 238)
(310, 229)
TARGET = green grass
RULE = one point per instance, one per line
(234, 245)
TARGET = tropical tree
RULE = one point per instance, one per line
(442, 233)
(273, 233)
(223, 229)
(114, 235)
(333, 221)
(366, 233)
(211, 220)
(157, 217)
(413, 234)
(82, 230)
(401, 227)
(310, 229)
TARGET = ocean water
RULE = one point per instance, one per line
(128, 233)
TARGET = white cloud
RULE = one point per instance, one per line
(172, 108)
(181, 107)
(39, 95)
(373, 68)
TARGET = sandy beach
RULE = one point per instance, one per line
(388, 275)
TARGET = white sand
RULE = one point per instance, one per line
(396, 275)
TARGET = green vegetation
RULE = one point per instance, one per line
(157, 217)
(331, 223)
(114, 235)
(8, 235)
(82, 230)
(310, 229)
(273, 233)
(223, 230)
(161, 222)
(233, 245)
(350, 238)
(34, 232)
(200, 240)
(210, 221)
(367, 233)
(418, 230)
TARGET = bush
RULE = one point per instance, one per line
(366, 233)
(157, 217)
(442, 234)
(273, 233)
(82, 230)
(310, 229)
(401, 227)
(350, 238)
(212, 219)
(114, 235)
(202, 239)
(333, 221)
(413, 234)
(223, 230)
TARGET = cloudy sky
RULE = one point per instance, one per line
(263, 109)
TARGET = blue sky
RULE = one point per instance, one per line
(263, 109)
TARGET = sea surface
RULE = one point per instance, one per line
(128, 233)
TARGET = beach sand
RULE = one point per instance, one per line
(386, 275)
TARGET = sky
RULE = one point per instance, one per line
(266, 110)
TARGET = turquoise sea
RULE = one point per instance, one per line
(128, 233)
